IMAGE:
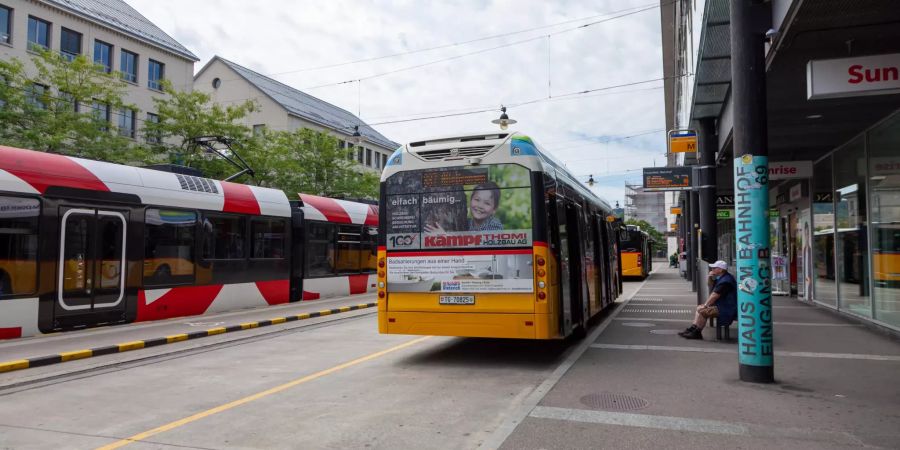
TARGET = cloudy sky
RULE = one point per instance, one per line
(484, 53)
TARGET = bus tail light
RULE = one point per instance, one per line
(542, 295)
(381, 263)
(541, 261)
(381, 294)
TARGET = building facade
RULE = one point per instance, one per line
(282, 107)
(833, 115)
(649, 206)
(110, 33)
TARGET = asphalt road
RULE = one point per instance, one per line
(333, 382)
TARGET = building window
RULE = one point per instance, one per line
(69, 43)
(151, 135)
(169, 246)
(128, 66)
(67, 102)
(126, 123)
(360, 155)
(101, 114)
(38, 34)
(850, 239)
(368, 157)
(18, 245)
(258, 129)
(156, 71)
(5, 25)
(36, 94)
(103, 55)
(384, 160)
(377, 160)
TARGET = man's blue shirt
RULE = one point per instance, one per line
(726, 287)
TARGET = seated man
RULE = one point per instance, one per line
(722, 301)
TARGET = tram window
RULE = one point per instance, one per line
(224, 237)
(319, 249)
(348, 249)
(369, 252)
(169, 246)
(268, 238)
(18, 245)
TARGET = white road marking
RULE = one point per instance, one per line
(794, 324)
(694, 425)
(857, 356)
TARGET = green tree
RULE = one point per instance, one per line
(311, 162)
(65, 107)
(659, 240)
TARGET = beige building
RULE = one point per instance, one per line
(110, 33)
(282, 107)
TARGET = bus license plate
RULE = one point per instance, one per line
(457, 300)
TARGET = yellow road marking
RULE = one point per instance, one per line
(248, 325)
(344, 308)
(133, 345)
(257, 396)
(215, 331)
(77, 354)
(303, 316)
(9, 366)
(176, 338)
(325, 312)
(278, 320)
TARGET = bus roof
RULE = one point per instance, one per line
(33, 172)
(483, 148)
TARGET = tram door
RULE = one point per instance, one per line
(91, 266)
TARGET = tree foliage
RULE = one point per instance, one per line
(48, 119)
(64, 108)
(659, 240)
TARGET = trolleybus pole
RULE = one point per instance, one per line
(751, 192)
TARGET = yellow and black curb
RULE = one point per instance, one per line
(19, 364)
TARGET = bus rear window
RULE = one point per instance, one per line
(459, 207)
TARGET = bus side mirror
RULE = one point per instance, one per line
(623, 234)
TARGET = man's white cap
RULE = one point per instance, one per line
(719, 265)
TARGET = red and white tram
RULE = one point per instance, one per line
(86, 243)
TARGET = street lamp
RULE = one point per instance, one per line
(504, 121)
(590, 181)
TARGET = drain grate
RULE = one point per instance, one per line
(614, 402)
(638, 324)
(647, 299)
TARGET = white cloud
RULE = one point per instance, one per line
(282, 36)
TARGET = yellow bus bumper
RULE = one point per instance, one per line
(486, 325)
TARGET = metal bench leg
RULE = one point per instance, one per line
(719, 333)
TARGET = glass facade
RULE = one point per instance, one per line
(884, 214)
(856, 225)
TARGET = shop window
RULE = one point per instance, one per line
(884, 208)
(319, 249)
(18, 245)
(851, 240)
(268, 238)
(224, 237)
(169, 237)
(825, 287)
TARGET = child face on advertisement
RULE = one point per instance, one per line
(482, 205)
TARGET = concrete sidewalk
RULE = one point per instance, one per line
(640, 385)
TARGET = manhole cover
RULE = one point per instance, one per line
(614, 402)
(638, 324)
(665, 331)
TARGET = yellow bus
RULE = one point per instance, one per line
(487, 236)
(636, 247)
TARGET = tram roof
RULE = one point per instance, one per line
(34, 172)
(465, 148)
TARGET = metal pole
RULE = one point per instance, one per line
(709, 144)
(688, 238)
(751, 193)
(695, 242)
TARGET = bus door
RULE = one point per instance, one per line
(561, 242)
(576, 280)
(92, 265)
(298, 256)
(605, 273)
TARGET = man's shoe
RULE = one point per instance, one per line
(688, 330)
(695, 334)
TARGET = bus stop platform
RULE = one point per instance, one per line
(640, 385)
